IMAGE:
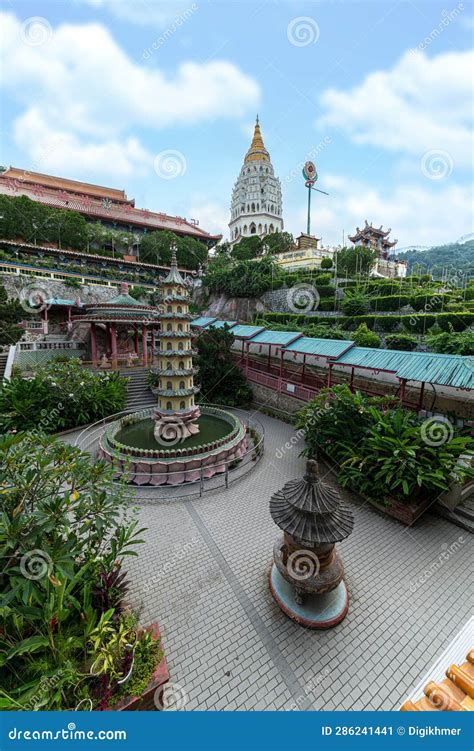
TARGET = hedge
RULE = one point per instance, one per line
(415, 323)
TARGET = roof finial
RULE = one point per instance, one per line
(257, 119)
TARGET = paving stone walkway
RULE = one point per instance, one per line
(203, 574)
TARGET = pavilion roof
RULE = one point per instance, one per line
(64, 302)
(242, 331)
(202, 321)
(220, 324)
(331, 348)
(277, 338)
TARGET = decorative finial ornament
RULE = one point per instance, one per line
(306, 578)
(174, 251)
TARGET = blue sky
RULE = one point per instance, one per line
(159, 98)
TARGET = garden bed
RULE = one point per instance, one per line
(146, 702)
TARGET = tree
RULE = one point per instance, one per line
(220, 379)
(11, 313)
(278, 242)
(364, 337)
(358, 260)
(247, 248)
(326, 263)
(155, 247)
(355, 304)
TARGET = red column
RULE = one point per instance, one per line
(136, 341)
(93, 344)
(329, 376)
(281, 370)
(402, 390)
(302, 370)
(269, 357)
(113, 344)
(144, 346)
(152, 343)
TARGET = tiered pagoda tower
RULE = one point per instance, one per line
(256, 199)
(176, 413)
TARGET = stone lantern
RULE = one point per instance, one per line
(306, 578)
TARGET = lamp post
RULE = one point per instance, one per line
(310, 175)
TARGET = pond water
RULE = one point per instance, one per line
(140, 434)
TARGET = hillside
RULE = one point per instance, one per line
(436, 260)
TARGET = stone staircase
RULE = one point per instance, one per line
(139, 395)
(463, 513)
(3, 364)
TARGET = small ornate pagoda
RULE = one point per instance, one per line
(306, 578)
(375, 238)
(176, 413)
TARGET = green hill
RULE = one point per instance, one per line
(441, 259)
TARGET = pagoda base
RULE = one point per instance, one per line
(318, 611)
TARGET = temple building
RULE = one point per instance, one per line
(176, 413)
(109, 206)
(376, 238)
(256, 207)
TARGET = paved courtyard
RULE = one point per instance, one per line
(203, 571)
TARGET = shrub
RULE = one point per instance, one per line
(389, 302)
(394, 461)
(381, 449)
(363, 337)
(326, 263)
(401, 341)
(451, 343)
(63, 523)
(60, 396)
(355, 304)
(220, 379)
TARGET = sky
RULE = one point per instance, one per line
(160, 99)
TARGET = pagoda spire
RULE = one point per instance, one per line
(257, 150)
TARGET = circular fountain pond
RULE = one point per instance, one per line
(130, 445)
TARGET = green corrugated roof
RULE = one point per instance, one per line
(221, 324)
(376, 359)
(245, 332)
(444, 370)
(278, 338)
(63, 301)
(202, 321)
(324, 347)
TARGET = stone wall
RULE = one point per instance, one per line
(18, 285)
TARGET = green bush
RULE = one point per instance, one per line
(65, 529)
(381, 449)
(451, 343)
(355, 304)
(389, 302)
(401, 341)
(364, 337)
(326, 263)
(60, 396)
(221, 381)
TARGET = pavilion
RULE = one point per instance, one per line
(123, 320)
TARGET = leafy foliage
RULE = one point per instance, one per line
(381, 449)
(155, 247)
(364, 337)
(63, 523)
(60, 395)
(452, 343)
(220, 379)
(401, 341)
(11, 313)
(352, 261)
(243, 278)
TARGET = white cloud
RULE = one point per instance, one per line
(420, 104)
(142, 12)
(212, 215)
(83, 80)
(57, 150)
(420, 214)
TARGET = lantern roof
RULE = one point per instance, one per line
(311, 511)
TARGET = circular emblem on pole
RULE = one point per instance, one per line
(309, 172)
